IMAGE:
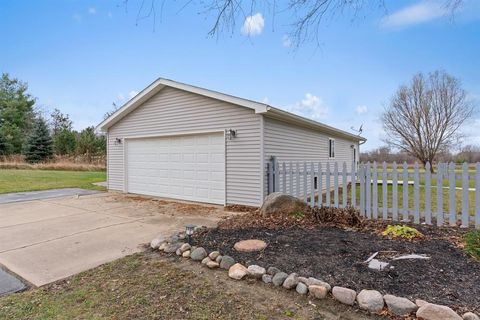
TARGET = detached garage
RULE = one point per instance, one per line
(178, 141)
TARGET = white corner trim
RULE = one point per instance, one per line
(262, 159)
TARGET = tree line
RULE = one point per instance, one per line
(468, 153)
(24, 130)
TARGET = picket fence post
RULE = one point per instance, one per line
(428, 193)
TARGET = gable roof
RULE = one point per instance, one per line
(258, 107)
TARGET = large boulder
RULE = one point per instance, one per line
(470, 316)
(399, 306)
(280, 203)
(227, 262)
(370, 300)
(237, 271)
(279, 278)
(198, 254)
(291, 281)
(344, 295)
(319, 292)
(432, 311)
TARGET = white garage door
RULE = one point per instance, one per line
(190, 167)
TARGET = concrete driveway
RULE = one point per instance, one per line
(49, 239)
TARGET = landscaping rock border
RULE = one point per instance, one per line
(367, 299)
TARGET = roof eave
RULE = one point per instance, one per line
(293, 118)
(159, 84)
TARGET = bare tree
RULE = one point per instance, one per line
(305, 18)
(425, 117)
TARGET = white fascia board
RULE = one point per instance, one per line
(293, 118)
(160, 83)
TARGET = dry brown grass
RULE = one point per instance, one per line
(57, 163)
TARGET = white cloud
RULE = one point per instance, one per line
(122, 97)
(132, 94)
(253, 25)
(286, 41)
(361, 109)
(77, 17)
(421, 12)
(92, 10)
(310, 106)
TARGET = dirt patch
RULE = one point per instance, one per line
(174, 208)
(154, 286)
(337, 256)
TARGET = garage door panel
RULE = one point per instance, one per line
(184, 167)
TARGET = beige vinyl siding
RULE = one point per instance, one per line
(173, 111)
(288, 142)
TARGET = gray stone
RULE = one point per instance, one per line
(344, 295)
(267, 278)
(198, 254)
(301, 288)
(432, 311)
(399, 306)
(303, 280)
(155, 243)
(273, 270)
(171, 248)
(212, 264)
(163, 246)
(420, 303)
(256, 271)
(185, 247)
(186, 254)
(291, 281)
(227, 262)
(279, 278)
(178, 252)
(315, 282)
(219, 259)
(206, 260)
(319, 292)
(174, 239)
(370, 300)
(213, 255)
(237, 271)
(470, 316)
(279, 203)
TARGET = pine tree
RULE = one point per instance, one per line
(39, 146)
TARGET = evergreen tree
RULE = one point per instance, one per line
(65, 142)
(16, 113)
(89, 144)
(63, 136)
(38, 146)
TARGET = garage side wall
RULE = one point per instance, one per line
(289, 142)
(173, 111)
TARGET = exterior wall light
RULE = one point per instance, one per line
(189, 228)
(118, 140)
(230, 134)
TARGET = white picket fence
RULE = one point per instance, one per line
(377, 189)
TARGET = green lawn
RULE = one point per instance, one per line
(34, 180)
(389, 199)
(149, 286)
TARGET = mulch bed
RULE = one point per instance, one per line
(337, 255)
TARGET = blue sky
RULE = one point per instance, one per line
(81, 56)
